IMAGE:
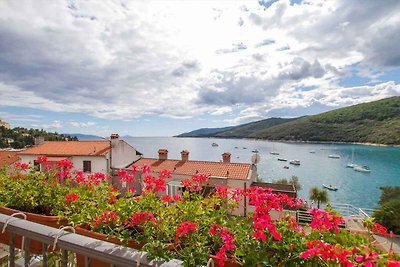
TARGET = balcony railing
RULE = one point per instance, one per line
(115, 255)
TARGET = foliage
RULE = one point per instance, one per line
(373, 122)
(319, 195)
(388, 213)
(293, 181)
(23, 137)
(190, 226)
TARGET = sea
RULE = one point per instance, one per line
(356, 188)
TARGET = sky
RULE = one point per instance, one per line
(160, 68)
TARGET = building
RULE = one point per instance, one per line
(89, 156)
(8, 157)
(225, 173)
(5, 124)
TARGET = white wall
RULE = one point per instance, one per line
(122, 154)
(99, 163)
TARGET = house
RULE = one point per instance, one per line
(5, 124)
(8, 157)
(225, 173)
(89, 156)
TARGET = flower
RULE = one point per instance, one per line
(41, 159)
(184, 228)
(325, 220)
(106, 217)
(141, 217)
(71, 197)
(379, 229)
(166, 198)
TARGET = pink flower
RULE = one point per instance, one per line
(146, 169)
(106, 217)
(141, 217)
(184, 228)
(324, 220)
(41, 159)
(379, 229)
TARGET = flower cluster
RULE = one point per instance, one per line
(153, 184)
(65, 167)
(125, 177)
(71, 197)
(184, 228)
(105, 218)
(228, 242)
(327, 252)
(379, 229)
(141, 217)
(21, 166)
(325, 220)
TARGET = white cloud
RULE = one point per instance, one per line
(179, 59)
(82, 124)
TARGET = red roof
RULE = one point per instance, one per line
(8, 157)
(69, 148)
(191, 167)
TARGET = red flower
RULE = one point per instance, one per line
(112, 199)
(184, 228)
(41, 159)
(106, 217)
(379, 229)
(177, 198)
(186, 183)
(221, 191)
(324, 220)
(71, 197)
(131, 189)
(146, 169)
(124, 176)
(141, 217)
(79, 178)
(393, 263)
(166, 198)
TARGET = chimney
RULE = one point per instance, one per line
(185, 155)
(226, 157)
(39, 140)
(162, 154)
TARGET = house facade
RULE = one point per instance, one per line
(89, 156)
(224, 173)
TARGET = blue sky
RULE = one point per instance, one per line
(160, 68)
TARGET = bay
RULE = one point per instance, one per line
(355, 188)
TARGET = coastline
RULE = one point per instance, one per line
(296, 141)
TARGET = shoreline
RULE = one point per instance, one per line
(295, 141)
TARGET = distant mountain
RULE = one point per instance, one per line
(204, 132)
(374, 122)
(247, 129)
(84, 136)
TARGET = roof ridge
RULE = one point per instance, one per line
(207, 161)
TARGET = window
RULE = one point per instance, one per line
(87, 166)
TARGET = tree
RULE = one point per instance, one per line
(319, 195)
(388, 213)
(293, 181)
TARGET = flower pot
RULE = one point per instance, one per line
(227, 262)
(85, 230)
(35, 247)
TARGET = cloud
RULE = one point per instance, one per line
(125, 60)
(20, 117)
(82, 124)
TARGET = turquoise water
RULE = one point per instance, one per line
(359, 189)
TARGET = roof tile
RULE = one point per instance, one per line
(191, 167)
(69, 148)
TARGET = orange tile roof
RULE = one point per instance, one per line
(69, 148)
(8, 157)
(191, 167)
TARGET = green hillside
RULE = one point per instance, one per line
(374, 122)
(245, 130)
(19, 137)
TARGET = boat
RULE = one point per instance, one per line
(352, 164)
(330, 187)
(295, 162)
(334, 156)
(214, 144)
(362, 169)
(244, 147)
(255, 151)
(236, 147)
(312, 151)
(274, 153)
(282, 159)
(286, 167)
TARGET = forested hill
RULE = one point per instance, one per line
(19, 137)
(374, 122)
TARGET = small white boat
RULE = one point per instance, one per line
(362, 169)
(334, 156)
(295, 162)
(274, 153)
(214, 144)
(282, 159)
(312, 151)
(330, 187)
(255, 151)
(351, 165)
